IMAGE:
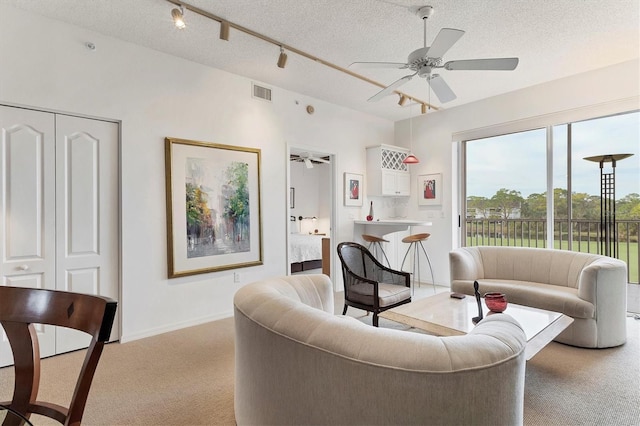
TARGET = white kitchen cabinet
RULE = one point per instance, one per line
(387, 175)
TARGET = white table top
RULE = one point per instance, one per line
(445, 316)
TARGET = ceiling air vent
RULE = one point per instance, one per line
(260, 92)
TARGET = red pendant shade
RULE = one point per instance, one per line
(411, 159)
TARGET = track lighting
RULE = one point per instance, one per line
(403, 100)
(225, 25)
(224, 30)
(282, 59)
(424, 108)
(178, 17)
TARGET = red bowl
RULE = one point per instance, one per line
(496, 302)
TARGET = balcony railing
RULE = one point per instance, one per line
(575, 235)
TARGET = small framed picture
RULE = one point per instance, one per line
(430, 189)
(353, 189)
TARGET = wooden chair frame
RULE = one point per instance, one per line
(373, 272)
(20, 308)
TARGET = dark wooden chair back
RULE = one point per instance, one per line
(20, 308)
(363, 274)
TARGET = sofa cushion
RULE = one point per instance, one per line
(543, 296)
(388, 294)
(557, 267)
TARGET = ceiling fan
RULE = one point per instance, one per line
(428, 58)
(308, 159)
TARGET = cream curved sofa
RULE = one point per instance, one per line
(297, 363)
(590, 288)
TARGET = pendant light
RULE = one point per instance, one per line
(411, 159)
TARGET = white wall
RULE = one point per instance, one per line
(45, 64)
(597, 93)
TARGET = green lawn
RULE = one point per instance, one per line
(584, 246)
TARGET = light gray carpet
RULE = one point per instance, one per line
(186, 378)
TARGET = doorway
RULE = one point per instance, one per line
(311, 211)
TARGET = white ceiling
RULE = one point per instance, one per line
(552, 38)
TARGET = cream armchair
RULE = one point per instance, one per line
(297, 363)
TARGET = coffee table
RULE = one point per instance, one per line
(443, 315)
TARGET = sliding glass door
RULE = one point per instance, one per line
(505, 190)
(536, 189)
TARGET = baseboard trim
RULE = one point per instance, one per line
(125, 338)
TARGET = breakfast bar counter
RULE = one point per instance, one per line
(391, 230)
(381, 227)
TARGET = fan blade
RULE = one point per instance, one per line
(443, 42)
(389, 89)
(362, 65)
(497, 64)
(441, 88)
(320, 160)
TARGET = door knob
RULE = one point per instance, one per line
(23, 267)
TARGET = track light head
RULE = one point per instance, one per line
(224, 30)
(424, 108)
(282, 59)
(178, 17)
(403, 100)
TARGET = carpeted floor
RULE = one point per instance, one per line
(186, 378)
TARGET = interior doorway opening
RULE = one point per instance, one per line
(311, 211)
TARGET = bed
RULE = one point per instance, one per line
(305, 251)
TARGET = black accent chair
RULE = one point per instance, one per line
(370, 285)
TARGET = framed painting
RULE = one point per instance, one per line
(352, 189)
(430, 189)
(213, 207)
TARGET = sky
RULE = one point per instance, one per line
(517, 161)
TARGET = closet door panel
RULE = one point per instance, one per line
(87, 213)
(27, 209)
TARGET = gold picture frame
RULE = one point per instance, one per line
(213, 207)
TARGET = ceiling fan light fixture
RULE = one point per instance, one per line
(282, 59)
(224, 30)
(178, 18)
(308, 163)
(410, 159)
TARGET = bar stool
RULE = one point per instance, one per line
(413, 241)
(375, 243)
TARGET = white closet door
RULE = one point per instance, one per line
(59, 212)
(87, 214)
(27, 210)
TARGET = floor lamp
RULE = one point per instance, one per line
(608, 235)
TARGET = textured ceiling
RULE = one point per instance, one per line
(552, 38)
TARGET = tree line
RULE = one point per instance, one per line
(506, 203)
